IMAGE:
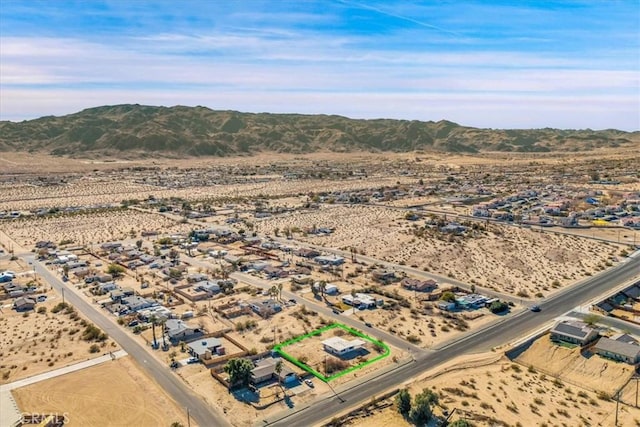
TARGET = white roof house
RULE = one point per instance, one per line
(339, 346)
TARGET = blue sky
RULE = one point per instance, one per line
(499, 64)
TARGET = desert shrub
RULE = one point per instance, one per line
(95, 348)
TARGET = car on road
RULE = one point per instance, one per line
(293, 301)
(336, 311)
(368, 324)
(309, 383)
(535, 308)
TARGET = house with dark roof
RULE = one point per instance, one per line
(618, 349)
(574, 332)
(265, 370)
(418, 285)
(24, 304)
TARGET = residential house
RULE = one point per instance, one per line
(265, 370)
(329, 260)
(383, 276)
(136, 303)
(177, 330)
(207, 286)
(24, 304)
(618, 349)
(265, 308)
(272, 272)
(306, 253)
(339, 346)
(574, 332)
(204, 349)
(428, 285)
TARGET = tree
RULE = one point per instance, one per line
(139, 244)
(448, 296)
(163, 322)
(278, 370)
(591, 319)
(239, 371)
(323, 288)
(353, 301)
(473, 288)
(421, 412)
(176, 424)
(403, 402)
(460, 423)
(280, 291)
(65, 270)
(115, 270)
(498, 306)
(273, 291)
(174, 255)
(153, 319)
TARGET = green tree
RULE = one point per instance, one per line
(460, 423)
(139, 244)
(115, 270)
(403, 402)
(280, 291)
(448, 296)
(591, 319)
(239, 371)
(498, 306)
(421, 412)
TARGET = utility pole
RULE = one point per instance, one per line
(62, 295)
(188, 419)
(617, 405)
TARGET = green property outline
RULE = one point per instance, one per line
(279, 349)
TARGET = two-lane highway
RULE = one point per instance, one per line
(497, 334)
(203, 414)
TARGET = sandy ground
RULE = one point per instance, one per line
(40, 342)
(501, 393)
(532, 263)
(86, 229)
(113, 393)
(587, 369)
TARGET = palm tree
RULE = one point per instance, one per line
(280, 291)
(323, 288)
(278, 371)
(163, 322)
(153, 319)
(353, 301)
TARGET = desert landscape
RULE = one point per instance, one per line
(162, 238)
(487, 390)
(139, 400)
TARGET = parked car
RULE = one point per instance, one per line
(42, 298)
(309, 383)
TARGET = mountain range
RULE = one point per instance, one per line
(147, 131)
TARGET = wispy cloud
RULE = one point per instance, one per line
(475, 62)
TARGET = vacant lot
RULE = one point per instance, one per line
(111, 394)
(501, 393)
(35, 342)
(572, 365)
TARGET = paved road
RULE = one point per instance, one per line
(203, 414)
(64, 370)
(508, 330)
